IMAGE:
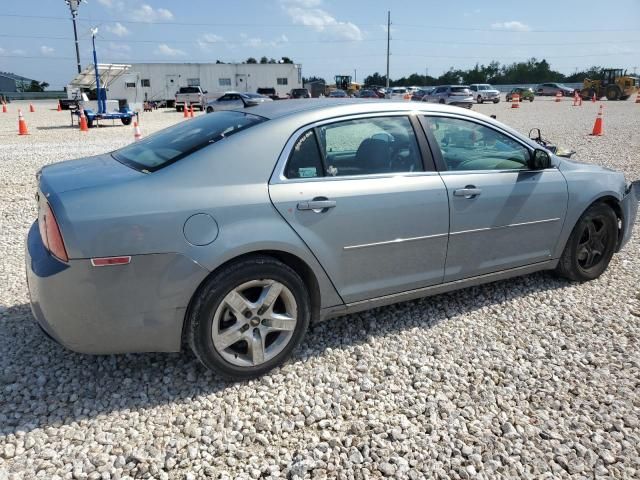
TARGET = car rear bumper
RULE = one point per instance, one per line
(138, 307)
(629, 212)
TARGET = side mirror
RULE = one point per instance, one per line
(539, 160)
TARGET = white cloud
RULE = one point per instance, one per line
(118, 29)
(208, 40)
(119, 47)
(18, 51)
(513, 25)
(257, 42)
(117, 4)
(46, 50)
(306, 12)
(146, 13)
(164, 49)
(106, 3)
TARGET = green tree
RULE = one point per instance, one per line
(251, 60)
(264, 60)
(286, 60)
(36, 86)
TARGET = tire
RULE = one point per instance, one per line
(613, 93)
(480, 100)
(597, 229)
(209, 109)
(442, 101)
(126, 120)
(179, 109)
(497, 100)
(89, 122)
(530, 99)
(243, 283)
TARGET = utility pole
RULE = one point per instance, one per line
(355, 75)
(73, 6)
(388, 43)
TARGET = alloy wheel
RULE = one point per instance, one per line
(593, 243)
(254, 322)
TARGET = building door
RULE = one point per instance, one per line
(172, 86)
(241, 82)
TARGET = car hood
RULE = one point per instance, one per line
(565, 165)
(83, 173)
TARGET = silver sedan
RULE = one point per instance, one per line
(233, 231)
(236, 100)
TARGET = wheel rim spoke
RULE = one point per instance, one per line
(237, 302)
(230, 336)
(269, 295)
(280, 322)
(256, 347)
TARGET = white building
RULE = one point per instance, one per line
(160, 81)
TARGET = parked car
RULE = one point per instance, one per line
(268, 92)
(458, 95)
(233, 231)
(553, 89)
(418, 94)
(396, 93)
(191, 97)
(525, 94)
(367, 94)
(235, 100)
(483, 92)
(299, 93)
(338, 94)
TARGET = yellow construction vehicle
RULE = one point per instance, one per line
(614, 83)
(343, 82)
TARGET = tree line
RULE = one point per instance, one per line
(530, 71)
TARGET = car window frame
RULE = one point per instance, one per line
(428, 163)
(437, 154)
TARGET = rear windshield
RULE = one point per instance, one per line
(176, 142)
(189, 90)
(460, 89)
(300, 90)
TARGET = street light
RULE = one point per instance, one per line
(73, 6)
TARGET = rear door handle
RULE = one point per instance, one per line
(470, 191)
(317, 205)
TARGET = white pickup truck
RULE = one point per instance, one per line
(192, 97)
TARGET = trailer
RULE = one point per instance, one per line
(99, 77)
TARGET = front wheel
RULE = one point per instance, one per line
(480, 100)
(497, 100)
(249, 317)
(209, 109)
(126, 120)
(591, 244)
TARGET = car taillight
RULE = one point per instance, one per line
(50, 233)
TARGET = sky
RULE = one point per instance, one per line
(328, 37)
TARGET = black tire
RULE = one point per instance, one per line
(585, 257)
(497, 100)
(89, 122)
(179, 109)
(442, 101)
(613, 93)
(126, 120)
(480, 100)
(209, 109)
(530, 99)
(210, 296)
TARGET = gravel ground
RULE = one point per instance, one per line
(529, 378)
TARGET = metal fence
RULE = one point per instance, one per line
(50, 95)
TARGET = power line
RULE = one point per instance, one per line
(423, 26)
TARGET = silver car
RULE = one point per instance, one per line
(458, 95)
(483, 92)
(235, 100)
(233, 231)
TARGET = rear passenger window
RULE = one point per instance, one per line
(305, 161)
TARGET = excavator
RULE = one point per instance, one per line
(614, 83)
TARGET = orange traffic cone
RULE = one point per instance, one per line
(593, 98)
(4, 107)
(515, 101)
(191, 115)
(558, 96)
(59, 107)
(84, 127)
(31, 109)
(185, 109)
(22, 124)
(137, 134)
(598, 126)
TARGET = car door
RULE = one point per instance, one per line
(502, 214)
(371, 209)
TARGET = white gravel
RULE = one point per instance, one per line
(528, 378)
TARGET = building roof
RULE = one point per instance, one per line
(15, 77)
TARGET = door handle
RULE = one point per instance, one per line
(470, 191)
(318, 205)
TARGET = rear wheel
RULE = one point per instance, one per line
(497, 100)
(613, 92)
(442, 100)
(126, 120)
(248, 318)
(591, 244)
(480, 100)
(209, 109)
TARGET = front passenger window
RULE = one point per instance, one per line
(468, 145)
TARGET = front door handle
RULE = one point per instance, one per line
(470, 191)
(318, 205)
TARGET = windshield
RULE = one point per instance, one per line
(176, 142)
(459, 90)
(189, 90)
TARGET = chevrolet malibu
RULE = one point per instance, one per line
(233, 231)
